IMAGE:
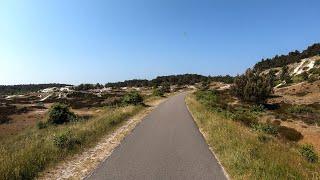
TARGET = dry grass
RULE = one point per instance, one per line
(243, 155)
(82, 164)
(24, 155)
(301, 93)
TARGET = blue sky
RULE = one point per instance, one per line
(103, 41)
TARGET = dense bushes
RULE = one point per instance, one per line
(165, 87)
(60, 113)
(132, 97)
(253, 87)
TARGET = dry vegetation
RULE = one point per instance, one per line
(82, 164)
(267, 124)
(299, 108)
(37, 134)
(301, 93)
(29, 152)
(250, 152)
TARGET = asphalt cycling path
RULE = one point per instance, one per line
(166, 145)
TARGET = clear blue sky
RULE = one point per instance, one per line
(74, 41)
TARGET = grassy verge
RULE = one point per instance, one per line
(24, 155)
(248, 154)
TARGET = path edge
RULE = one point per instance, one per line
(203, 136)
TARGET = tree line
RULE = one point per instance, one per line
(292, 57)
(26, 88)
(183, 79)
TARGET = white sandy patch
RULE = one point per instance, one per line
(305, 63)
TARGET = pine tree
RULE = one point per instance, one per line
(254, 87)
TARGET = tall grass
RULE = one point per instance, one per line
(24, 155)
(242, 152)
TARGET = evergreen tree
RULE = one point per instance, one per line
(285, 76)
(254, 87)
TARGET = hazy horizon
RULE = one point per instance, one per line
(77, 42)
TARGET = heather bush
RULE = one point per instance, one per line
(60, 113)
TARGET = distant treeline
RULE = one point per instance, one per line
(226, 79)
(184, 79)
(292, 57)
(25, 88)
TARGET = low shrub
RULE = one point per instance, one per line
(297, 79)
(41, 125)
(208, 97)
(300, 78)
(245, 117)
(308, 152)
(65, 140)
(132, 97)
(60, 113)
(315, 71)
(157, 92)
(165, 87)
(257, 108)
(277, 82)
(313, 78)
(290, 133)
(300, 109)
(266, 128)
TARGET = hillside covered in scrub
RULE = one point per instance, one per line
(265, 125)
